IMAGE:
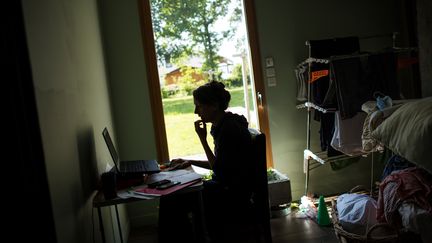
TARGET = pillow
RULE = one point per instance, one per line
(408, 132)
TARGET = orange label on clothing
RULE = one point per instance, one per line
(318, 74)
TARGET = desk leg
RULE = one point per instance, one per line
(101, 227)
(118, 223)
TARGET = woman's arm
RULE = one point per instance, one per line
(184, 163)
(201, 130)
(200, 163)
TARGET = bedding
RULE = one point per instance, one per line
(404, 201)
(373, 119)
(416, 219)
(356, 212)
(408, 132)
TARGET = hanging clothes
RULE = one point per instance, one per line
(354, 80)
(324, 49)
(302, 76)
(347, 134)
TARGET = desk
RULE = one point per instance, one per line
(99, 201)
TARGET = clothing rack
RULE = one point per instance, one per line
(315, 107)
(393, 35)
(395, 50)
(312, 60)
(313, 160)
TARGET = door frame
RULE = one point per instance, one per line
(154, 86)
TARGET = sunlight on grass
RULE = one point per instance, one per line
(183, 105)
(182, 139)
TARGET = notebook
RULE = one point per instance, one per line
(131, 168)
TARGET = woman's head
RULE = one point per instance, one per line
(211, 99)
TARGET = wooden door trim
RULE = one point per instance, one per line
(153, 80)
(258, 75)
(154, 87)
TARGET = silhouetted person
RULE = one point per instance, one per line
(229, 191)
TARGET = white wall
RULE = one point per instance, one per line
(73, 105)
(283, 28)
(129, 92)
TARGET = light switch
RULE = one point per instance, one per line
(269, 62)
(271, 82)
(270, 72)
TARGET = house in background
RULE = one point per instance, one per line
(170, 74)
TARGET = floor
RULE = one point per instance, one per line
(290, 228)
(296, 228)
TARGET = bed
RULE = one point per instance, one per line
(408, 132)
(405, 196)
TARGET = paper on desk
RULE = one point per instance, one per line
(182, 176)
(154, 191)
(186, 177)
(200, 170)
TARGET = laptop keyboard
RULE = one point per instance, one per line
(135, 166)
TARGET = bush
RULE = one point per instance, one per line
(236, 78)
(188, 81)
(169, 90)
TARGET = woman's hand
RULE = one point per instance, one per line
(201, 129)
(179, 164)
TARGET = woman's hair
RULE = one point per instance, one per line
(212, 93)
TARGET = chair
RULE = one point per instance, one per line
(260, 198)
(251, 223)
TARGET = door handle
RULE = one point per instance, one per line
(259, 97)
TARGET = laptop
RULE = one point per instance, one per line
(131, 168)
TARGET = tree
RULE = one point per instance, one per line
(188, 27)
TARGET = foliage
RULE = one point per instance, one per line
(168, 41)
(187, 81)
(169, 90)
(188, 27)
(271, 175)
(236, 77)
(208, 176)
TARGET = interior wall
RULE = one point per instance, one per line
(283, 28)
(73, 106)
(424, 27)
(129, 93)
(127, 79)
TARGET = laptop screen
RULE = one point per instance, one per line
(111, 147)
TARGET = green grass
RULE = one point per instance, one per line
(184, 105)
(179, 123)
(182, 139)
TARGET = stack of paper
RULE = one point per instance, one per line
(186, 177)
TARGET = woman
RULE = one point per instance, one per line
(230, 189)
(232, 140)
